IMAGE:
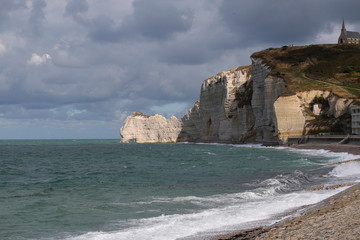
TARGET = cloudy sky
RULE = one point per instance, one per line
(77, 68)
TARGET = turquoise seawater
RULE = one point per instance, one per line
(103, 189)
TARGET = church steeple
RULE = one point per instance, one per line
(343, 39)
(343, 29)
(348, 37)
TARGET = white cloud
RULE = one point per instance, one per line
(11, 41)
(72, 112)
(38, 60)
(2, 49)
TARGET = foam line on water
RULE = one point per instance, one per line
(349, 169)
(166, 227)
(214, 200)
(262, 189)
(337, 156)
(247, 145)
(334, 156)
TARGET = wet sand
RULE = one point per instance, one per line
(337, 217)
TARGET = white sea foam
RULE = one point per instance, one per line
(166, 227)
(210, 153)
(263, 189)
(247, 145)
(264, 157)
(333, 156)
(349, 169)
(214, 200)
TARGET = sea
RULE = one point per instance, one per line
(104, 189)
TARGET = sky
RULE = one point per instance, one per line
(72, 69)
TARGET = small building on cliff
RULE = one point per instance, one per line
(348, 37)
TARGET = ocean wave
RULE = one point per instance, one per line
(247, 145)
(206, 201)
(332, 156)
(349, 169)
(284, 182)
(279, 184)
(166, 227)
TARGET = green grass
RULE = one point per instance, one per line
(319, 67)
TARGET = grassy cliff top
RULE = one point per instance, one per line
(247, 67)
(316, 67)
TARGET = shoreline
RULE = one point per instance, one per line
(349, 148)
(337, 217)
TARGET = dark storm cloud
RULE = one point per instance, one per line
(186, 54)
(285, 21)
(76, 7)
(104, 29)
(154, 20)
(160, 19)
(37, 16)
(7, 6)
(202, 46)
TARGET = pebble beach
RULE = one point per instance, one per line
(337, 217)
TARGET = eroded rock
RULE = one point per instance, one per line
(242, 105)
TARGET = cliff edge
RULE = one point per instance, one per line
(288, 91)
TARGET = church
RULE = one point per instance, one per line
(348, 37)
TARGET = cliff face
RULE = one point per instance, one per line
(150, 129)
(311, 112)
(278, 116)
(266, 90)
(223, 113)
(252, 103)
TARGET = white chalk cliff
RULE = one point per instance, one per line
(292, 112)
(237, 106)
(150, 129)
(223, 113)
